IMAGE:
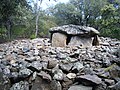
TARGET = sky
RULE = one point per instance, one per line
(47, 3)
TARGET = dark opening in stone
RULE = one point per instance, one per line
(68, 39)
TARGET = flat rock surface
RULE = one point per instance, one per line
(75, 29)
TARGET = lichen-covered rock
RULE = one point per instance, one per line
(35, 66)
(58, 74)
(22, 85)
(25, 73)
(4, 82)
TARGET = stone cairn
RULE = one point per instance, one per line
(35, 65)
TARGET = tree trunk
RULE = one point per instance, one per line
(36, 29)
(38, 3)
(8, 27)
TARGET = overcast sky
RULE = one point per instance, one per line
(47, 3)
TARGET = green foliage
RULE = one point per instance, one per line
(110, 22)
(2, 32)
(45, 23)
(9, 11)
(32, 36)
(104, 15)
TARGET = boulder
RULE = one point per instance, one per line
(90, 79)
(41, 84)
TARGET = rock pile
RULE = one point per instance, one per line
(35, 65)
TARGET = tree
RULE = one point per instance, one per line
(80, 12)
(8, 10)
(110, 22)
(37, 8)
(65, 14)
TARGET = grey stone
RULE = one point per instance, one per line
(25, 73)
(1, 56)
(90, 79)
(66, 67)
(41, 84)
(71, 75)
(77, 67)
(22, 85)
(30, 59)
(61, 56)
(44, 65)
(4, 82)
(36, 52)
(25, 49)
(106, 62)
(6, 71)
(45, 76)
(114, 71)
(35, 66)
(117, 52)
(80, 87)
(114, 87)
(14, 77)
(58, 74)
(109, 81)
(51, 64)
(101, 86)
(66, 83)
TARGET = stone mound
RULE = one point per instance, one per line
(35, 65)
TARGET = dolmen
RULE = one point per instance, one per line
(74, 35)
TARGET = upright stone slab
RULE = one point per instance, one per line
(59, 40)
(82, 41)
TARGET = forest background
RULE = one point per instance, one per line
(27, 18)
